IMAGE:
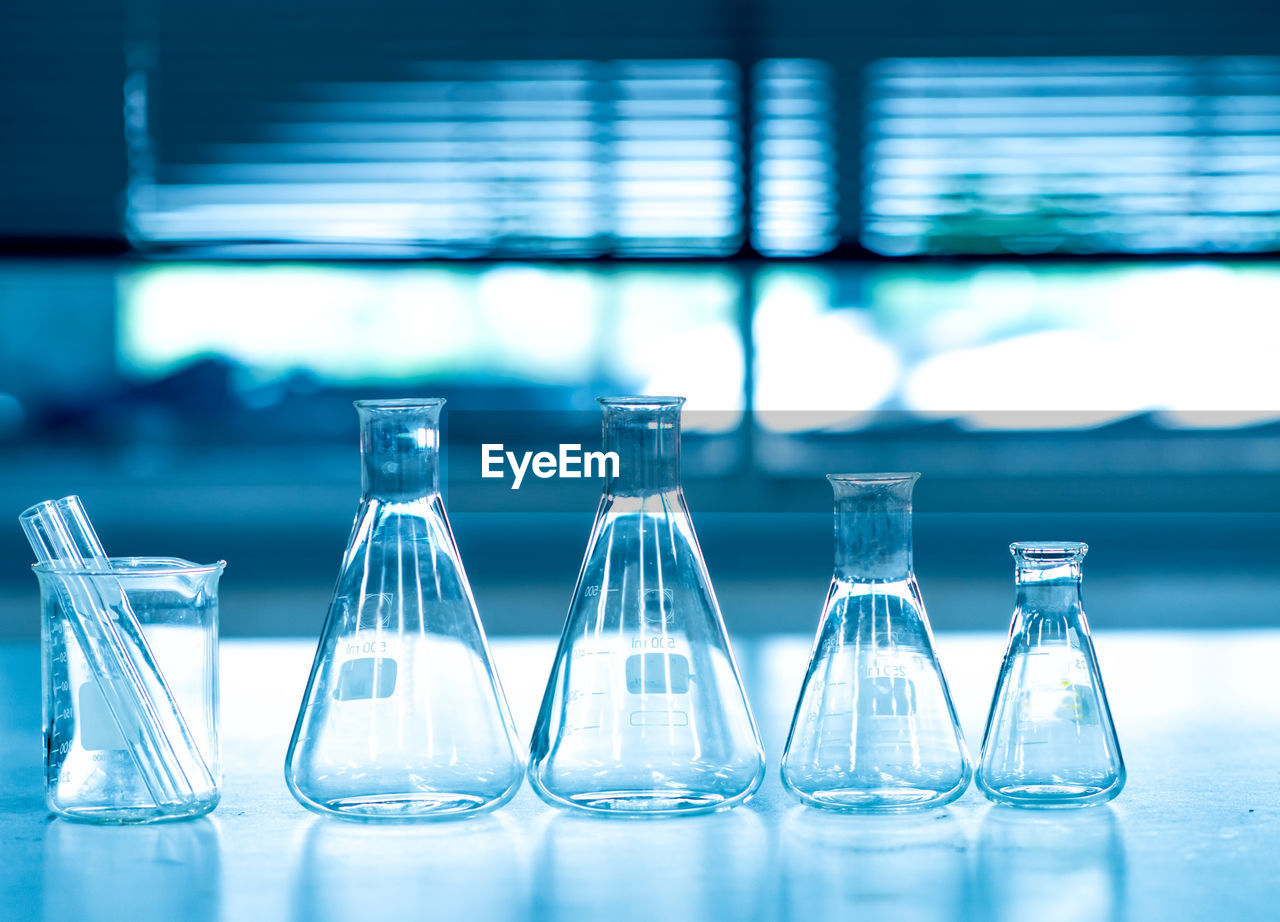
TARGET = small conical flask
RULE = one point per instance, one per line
(403, 718)
(644, 712)
(1050, 740)
(874, 729)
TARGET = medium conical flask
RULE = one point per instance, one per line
(644, 713)
(874, 729)
(403, 717)
(1050, 741)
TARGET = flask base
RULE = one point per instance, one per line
(133, 816)
(1057, 794)
(878, 800)
(402, 808)
(641, 804)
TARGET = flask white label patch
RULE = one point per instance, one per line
(570, 461)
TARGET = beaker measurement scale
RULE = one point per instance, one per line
(365, 648)
(657, 642)
(659, 719)
(584, 704)
(571, 729)
(876, 670)
(62, 704)
(1077, 659)
(826, 687)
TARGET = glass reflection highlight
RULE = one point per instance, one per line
(1069, 864)
(910, 868)
(701, 869)
(470, 870)
(138, 873)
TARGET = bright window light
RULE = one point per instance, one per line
(627, 330)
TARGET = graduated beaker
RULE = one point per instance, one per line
(90, 774)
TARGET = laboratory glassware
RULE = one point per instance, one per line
(111, 644)
(403, 717)
(874, 728)
(644, 713)
(1050, 740)
(98, 766)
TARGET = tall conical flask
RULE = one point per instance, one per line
(403, 718)
(1050, 740)
(644, 713)
(874, 729)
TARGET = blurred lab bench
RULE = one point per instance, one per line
(1194, 835)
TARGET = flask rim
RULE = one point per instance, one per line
(895, 477)
(135, 566)
(642, 402)
(1051, 551)
(399, 403)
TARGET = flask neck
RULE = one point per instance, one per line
(645, 434)
(1048, 579)
(399, 448)
(873, 526)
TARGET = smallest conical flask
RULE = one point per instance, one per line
(874, 729)
(1050, 741)
(403, 717)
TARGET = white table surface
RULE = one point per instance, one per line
(1195, 834)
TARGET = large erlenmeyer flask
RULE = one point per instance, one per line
(644, 713)
(874, 728)
(403, 717)
(1050, 740)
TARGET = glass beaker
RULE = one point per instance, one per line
(90, 774)
(403, 717)
(874, 728)
(644, 713)
(1050, 740)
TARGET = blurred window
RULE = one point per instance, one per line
(572, 158)
(794, 193)
(1076, 155)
